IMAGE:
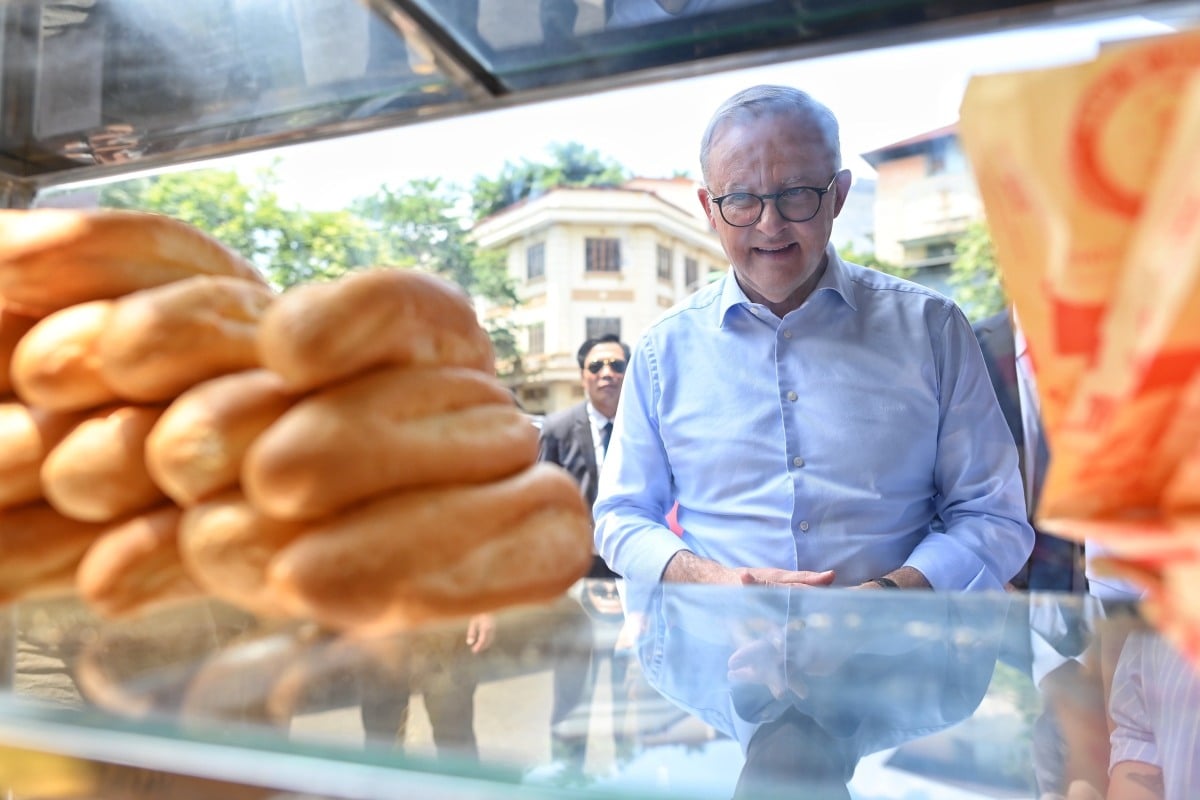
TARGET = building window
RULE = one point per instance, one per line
(936, 163)
(598, 326)
(691, 272)
(665, 257)
(603, 255)
(537, 339)
(535, 261)
(940, 250)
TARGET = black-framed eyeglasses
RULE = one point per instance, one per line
(618, 365)
(798, 204)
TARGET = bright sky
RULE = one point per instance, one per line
(880, 96)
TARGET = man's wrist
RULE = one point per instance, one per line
(687, 567)
(885, 583)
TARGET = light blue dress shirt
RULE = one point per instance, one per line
(859, 433)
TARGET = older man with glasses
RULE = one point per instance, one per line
(818, 423)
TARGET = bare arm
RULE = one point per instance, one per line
(1135, 780)
(687, 567)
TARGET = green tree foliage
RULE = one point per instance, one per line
(571, 164)
(848, 253)
(421, 226)
(215, 201)
(320, 245)
(289, 246)
(974, 275)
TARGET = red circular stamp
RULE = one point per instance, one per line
(1123, 117)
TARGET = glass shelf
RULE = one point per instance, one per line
(689, 693)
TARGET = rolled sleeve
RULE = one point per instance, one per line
(634, 492)
(987, 536)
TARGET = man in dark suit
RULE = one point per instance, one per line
(1055, 564)
(576, 438)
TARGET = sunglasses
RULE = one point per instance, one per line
(618, 365)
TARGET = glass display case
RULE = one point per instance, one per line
(692, 692)
(614, 690)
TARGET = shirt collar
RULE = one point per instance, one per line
(598, 419)
(1020, 346)
(835, 278)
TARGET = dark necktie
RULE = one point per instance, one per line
(606, 436)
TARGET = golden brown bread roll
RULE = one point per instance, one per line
(56, 365)
(54, 258)
(197, 446)
(226, 545)
(98, 471)
(27, 435)
(392, 428)
(135, 564)
(40, 549)
(164, 340)
(426, 554)
(319, 333)
(13, 327)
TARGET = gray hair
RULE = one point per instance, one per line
(761, 101)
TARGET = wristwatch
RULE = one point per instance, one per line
(886, 583)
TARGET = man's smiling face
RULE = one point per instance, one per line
(777, 262)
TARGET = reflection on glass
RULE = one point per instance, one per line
(678, 691)
(1155, 706)
(128, 79)
(628, 13)
(809, 682)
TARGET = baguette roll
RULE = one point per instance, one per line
(164, 340)
(197, 447)
(40, 550)
(226, 545)
(426, 554)
(56, 365)
(13, 327)
(320, 333)
(135, 565)
(98, 471)
(54, 258)
(27, 435)
(388, 429)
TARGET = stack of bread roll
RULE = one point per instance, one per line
(106, 318)
(342, 452)
(386, 476)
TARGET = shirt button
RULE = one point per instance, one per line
(804, 526)
(793, 396)
(798, 461)
(787, 334)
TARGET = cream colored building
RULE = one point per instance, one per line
(588, 261)
(925, 197)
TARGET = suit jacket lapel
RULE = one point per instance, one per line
(582, 433)
(1000, 355)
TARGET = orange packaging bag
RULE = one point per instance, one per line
(1090, 177)
(1118, 437)
(1063, 159)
